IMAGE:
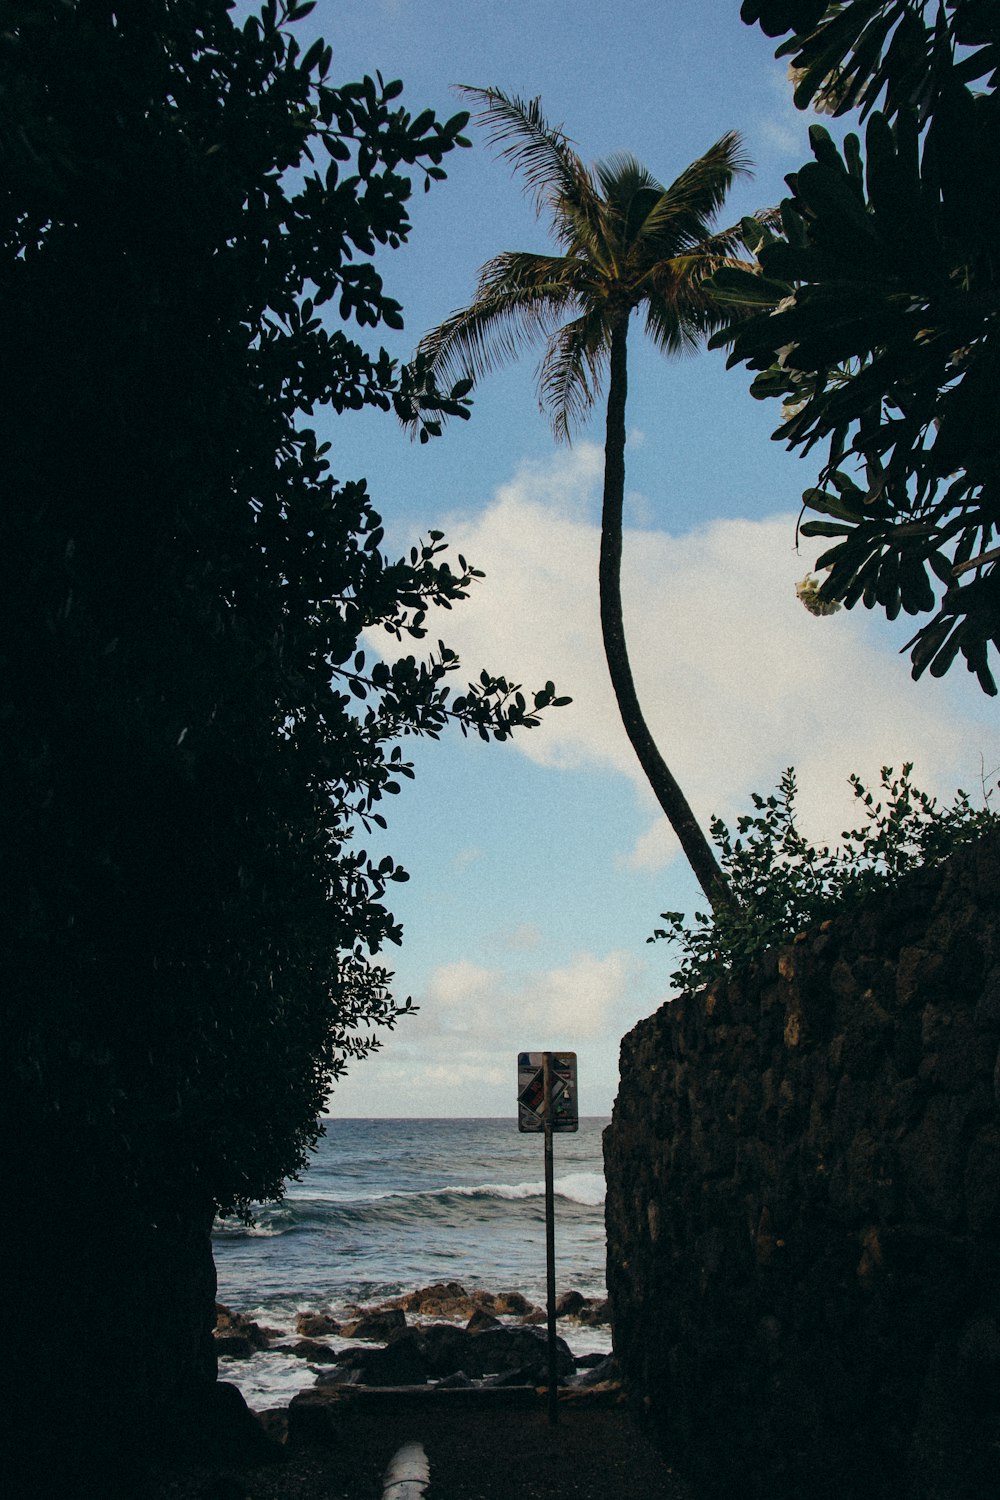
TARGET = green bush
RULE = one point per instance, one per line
(782, 883)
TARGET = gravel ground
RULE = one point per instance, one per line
(507, 1454)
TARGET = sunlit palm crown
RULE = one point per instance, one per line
(627, 242)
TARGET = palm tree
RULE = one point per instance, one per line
(626, 243)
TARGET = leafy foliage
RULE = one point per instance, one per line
(193, 733)
(783, 883)
(875, 308)
(849, 55)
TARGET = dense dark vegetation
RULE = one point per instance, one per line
(877, 311)
(192, 736)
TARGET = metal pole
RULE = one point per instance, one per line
(550, 1241)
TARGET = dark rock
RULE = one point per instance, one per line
(481, 1320)
(275, 1423)
(595, 1314)
(450, 1299)
(310, 1349)
(442, 1350)
(233, 1346)
(521, 1348)
(375, 1324)
(517, 1376)
(569, 1303)
(599, 1374)
(511, 1305)
(429, 1301)
(403, 1362)
(457, 1382)
(443, 1346)
(314, 1325)
(217, 1425)
(439, 1291)
(341, 1374)
(232, 1326)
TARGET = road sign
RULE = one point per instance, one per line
(531, 1091)
(546, 1102)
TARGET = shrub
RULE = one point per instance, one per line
(782, 883)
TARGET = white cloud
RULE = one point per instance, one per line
(575, 999)
(582, 996)
(736, 678)
(784, 138)
(782, 128)
(460, 985)
(456, 1056)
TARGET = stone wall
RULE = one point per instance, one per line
(804, 1207)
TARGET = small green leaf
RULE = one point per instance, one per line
(822, 528)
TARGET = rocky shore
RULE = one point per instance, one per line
(441, 1335)
(463, 1371)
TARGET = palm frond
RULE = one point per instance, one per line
(520, 298)
(588, 233)
(707, 180)
(685, 270)
(621, 175)
(681, 310)
(630, 193)
(684, 213)
(571, 372)
(686, 274)
(521, 270)
(539, 151)
(667, 329)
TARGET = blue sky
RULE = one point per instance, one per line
(538, 868)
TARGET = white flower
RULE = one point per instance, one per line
(827, 98)
(808, 592)
(786, 349)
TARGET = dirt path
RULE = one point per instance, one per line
(592, 1454)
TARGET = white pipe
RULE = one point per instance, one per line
(408, 1474)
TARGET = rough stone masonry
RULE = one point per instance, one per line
(804, 1206)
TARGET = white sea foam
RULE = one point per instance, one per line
(388, 1206)
(576, 1187)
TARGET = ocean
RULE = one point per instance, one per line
(391, 1205)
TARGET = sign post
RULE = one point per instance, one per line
(547, 1102)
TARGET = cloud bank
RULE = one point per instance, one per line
(737, 680)
(457, 1055)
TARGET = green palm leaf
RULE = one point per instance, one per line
(520, 299)
(542, 154)
(628, 244)
(572, 370)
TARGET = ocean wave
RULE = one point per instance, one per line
(581, 1190)
(584, 1188)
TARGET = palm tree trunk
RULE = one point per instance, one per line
(696, 847)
